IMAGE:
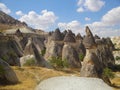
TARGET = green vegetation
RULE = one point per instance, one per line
(43, 52)
(108, 73)
(117, 58)
(30, 62)
(65, 63)
(57, 62)
(81, 56)
(1, 70)
(12, 53)
(4, 57)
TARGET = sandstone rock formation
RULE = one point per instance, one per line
(88, 40)
(90, 67)
(104, 52)
(10, 50)
(116, 52)
(54, 45)
(33, 49)
(69, 52)
(98, 56)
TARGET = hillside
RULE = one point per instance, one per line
(8, 22)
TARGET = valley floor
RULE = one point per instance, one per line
(30, 77)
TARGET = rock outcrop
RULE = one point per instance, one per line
(98, 56)
(10, 50)
(90, 67)
(54, 45)
(7, 75)
(69, 52)
(104, 52)
(116, 52)
(33, 49)
(88, 40)
(8, 20)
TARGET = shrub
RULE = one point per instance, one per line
(65, 63)
(1, 70)
(81, 56)
(12, 53)
(57, 62)
(5, 57)
(108, 73)
(43, 52)
(30, 62)
(117, 58)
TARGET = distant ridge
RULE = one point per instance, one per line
(8, 22)
(6, 19)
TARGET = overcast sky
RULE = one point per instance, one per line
(102, 16)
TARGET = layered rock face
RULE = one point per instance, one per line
(80, 48)
(69, 52)
(90, 67)
(33, 50)
(67, 49)
(104, 52)
(10, 50)
(7, 75)
(116, 52)
(98, 55)
(54, 45)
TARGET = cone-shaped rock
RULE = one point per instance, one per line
(57, 36)
(79, 37)
(69, 37)
(96, 37)
(88, 40)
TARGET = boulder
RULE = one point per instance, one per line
(73, 83)
(7, 75)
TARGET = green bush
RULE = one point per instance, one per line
(65, 63)
(1, 70)
(81, 56)
(43, 52)
(5, 57)
(30, 62)
(12, 53)
(57, 62)
(117, 58)
(108, 73)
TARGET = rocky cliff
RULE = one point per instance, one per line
(7, 21)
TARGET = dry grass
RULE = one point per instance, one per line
(29, 77)
(116, 81)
